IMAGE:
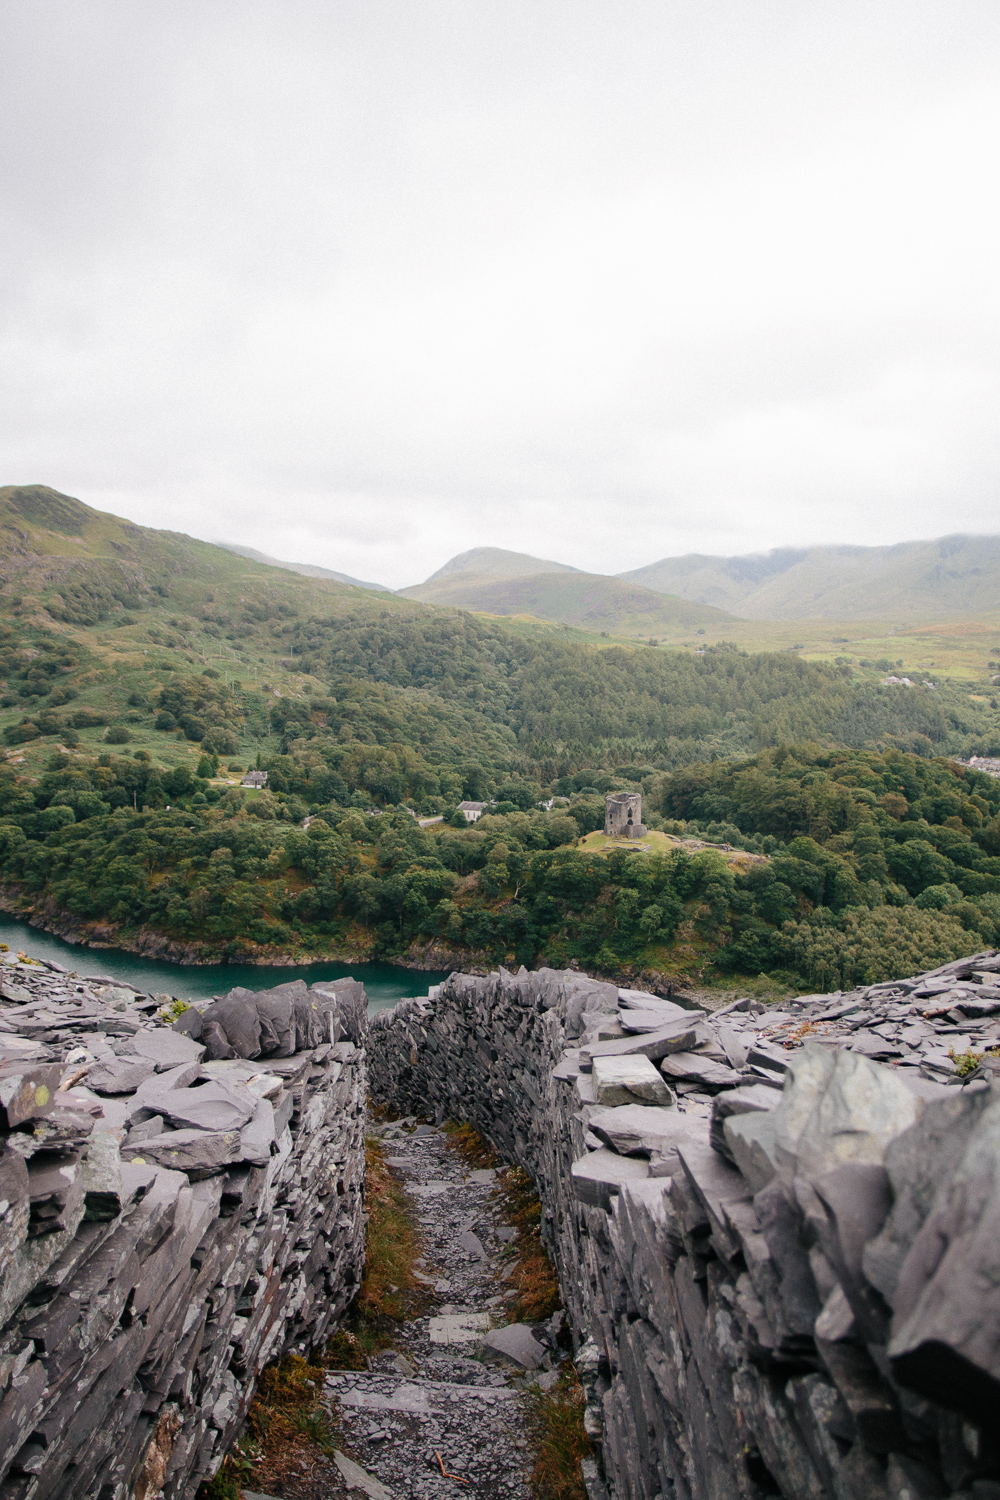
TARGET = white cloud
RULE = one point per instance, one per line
(369, 284)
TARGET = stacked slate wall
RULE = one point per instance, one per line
(187, 1207)
(822, 1319)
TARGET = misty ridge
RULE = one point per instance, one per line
(947, 576)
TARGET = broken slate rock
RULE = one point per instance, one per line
(357, 1478)
(516, 1343)
(692, 1067)
(123, 1076)
(258, 1139)
(598, 1176)
(675, 1036)
(644, 1130)
(200, 1153)
(628, 1080)
(751, 1140)
(167, 1049)
(237, 1017)
(755, 1099)
(209, 1106)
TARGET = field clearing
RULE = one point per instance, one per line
(955, 650)
(656, 842)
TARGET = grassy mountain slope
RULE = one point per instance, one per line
(307, 570)
(951, 576)
(495, 562)
(588, 600)
(107, 628)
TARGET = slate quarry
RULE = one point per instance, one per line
(777, 1231)
(180, 1203)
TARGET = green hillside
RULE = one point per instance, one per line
(950, 577)
(590, 601)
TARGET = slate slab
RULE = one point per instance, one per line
(207, 1106)
(599, 1176)
(458, 1328)
(122, 1076)
(515, 1343)
(691, 1067)
(752, 1099)
(628, 1080)
(258, 1139)
(199, 1153)
(25, 1090)
(675, 1036)
(167, 1049)
(239, 1021)
(646, 1130)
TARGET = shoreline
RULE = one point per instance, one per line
(145, 942)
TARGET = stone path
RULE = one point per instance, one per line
(434, 1401)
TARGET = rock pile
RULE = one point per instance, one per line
(179, 1203)
(776, 1231)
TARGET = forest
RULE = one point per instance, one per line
(875, 863)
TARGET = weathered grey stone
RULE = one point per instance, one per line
(639, 1000)
(167, 1049)
(750, 1139)
(694, 1067)
(515, 1343)
(259, 1139)
(208, 1106)
(25, 1090)
(55, 1188)
(947, 1302)
(628, 1080)
(643, 1130)
(191, 1151)
(123, 1076)
(754, 1099)
(599, 1175)
(674, 1036)
(918, 1161)
(357, 1478)
(861, 1109)
(472, 1245)
(237, 1017)
(276, 1012)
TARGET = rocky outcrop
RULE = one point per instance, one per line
(179, 1204)
(782, 1281)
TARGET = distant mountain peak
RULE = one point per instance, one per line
(497, 562)
(307, 570)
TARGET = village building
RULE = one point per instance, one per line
(623, 816)
(472, 811)
(254, 778)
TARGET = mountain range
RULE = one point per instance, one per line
(949, 577)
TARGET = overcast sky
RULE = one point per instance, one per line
(368, 284)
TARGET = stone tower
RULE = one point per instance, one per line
(623, 815)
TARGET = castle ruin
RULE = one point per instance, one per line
(623, 815)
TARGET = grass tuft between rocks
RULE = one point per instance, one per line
(389, 1292)
(536, 1292)
(555, 1418)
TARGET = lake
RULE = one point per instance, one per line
(384, 983)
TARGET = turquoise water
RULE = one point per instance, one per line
(384, 983)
